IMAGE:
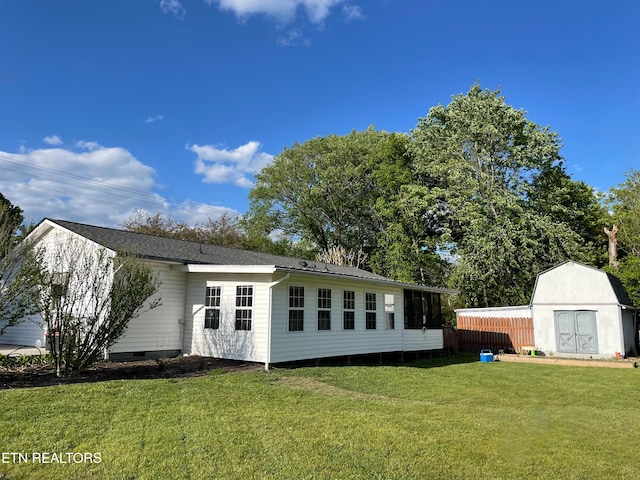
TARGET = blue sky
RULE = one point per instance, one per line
(171, 106)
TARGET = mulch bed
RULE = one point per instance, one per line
(177, 367)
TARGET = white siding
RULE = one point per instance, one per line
(608, 324)
(227, 342)
(522, 311)
(418, 340)
(160, 328)
(312, 343)
(572, 283)
(572, 286)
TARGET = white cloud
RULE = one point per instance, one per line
(83, 145)
(220, 165)
(52, 140)
(283, 11)
(96, 185)
(292, 38)
(173, 7)
(153, 118)
(352, 13)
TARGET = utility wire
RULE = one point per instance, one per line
(155, 200)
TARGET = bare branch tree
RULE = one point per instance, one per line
(88, 296)
(337, 255)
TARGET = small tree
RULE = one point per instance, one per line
(19, 269)
(88, 296)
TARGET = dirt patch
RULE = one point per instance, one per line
(573, 362)
(178, 367)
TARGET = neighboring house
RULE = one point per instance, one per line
(575, 310)
(236, 304)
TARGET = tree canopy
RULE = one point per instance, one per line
(477, 196)
(488, 174)
(346, 192)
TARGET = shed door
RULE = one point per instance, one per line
(576, 331)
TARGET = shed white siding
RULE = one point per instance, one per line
(572, 283)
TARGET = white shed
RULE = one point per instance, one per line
(575, 311)
(582, 311)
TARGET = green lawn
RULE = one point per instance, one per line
(430, 419)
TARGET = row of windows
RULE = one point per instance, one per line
(244, 309)
(296, 310)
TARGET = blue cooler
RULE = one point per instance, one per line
(486, 356)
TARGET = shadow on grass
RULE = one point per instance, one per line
(410, 359)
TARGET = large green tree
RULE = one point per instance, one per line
(485, 174)
(345, 191)
(624, 202)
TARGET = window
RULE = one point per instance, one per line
(296, 309)
(370, 311)
(212, 308)
(324, 309)
(422, 310)
(389, 313)
(348, 307)
(244, 307)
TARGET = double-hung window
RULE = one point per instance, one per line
(324, 309)
(389, 311)
(348, 309)
(296, 309)
(244, 307)
(212, 308)
(370, 310)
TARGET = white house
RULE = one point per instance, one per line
(575, 311)
(243, 305)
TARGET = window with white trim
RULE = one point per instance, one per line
(370, 311)
(348, 309)
(296, 309)
(244, 307)
(324, 309)
(212, 308)
(389, 311)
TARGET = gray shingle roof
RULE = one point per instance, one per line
(185, 252)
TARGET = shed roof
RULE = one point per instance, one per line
(154, 247)
(616, 285)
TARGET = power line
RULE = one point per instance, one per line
(155, 200)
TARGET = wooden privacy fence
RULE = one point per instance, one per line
(508, 333)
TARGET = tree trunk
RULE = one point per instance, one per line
(613, 245)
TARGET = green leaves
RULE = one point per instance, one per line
(490, 174)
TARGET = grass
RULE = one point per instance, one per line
(427, 419)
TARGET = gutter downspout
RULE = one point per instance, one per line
(271, 285)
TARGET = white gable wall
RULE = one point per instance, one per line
(571, 283)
